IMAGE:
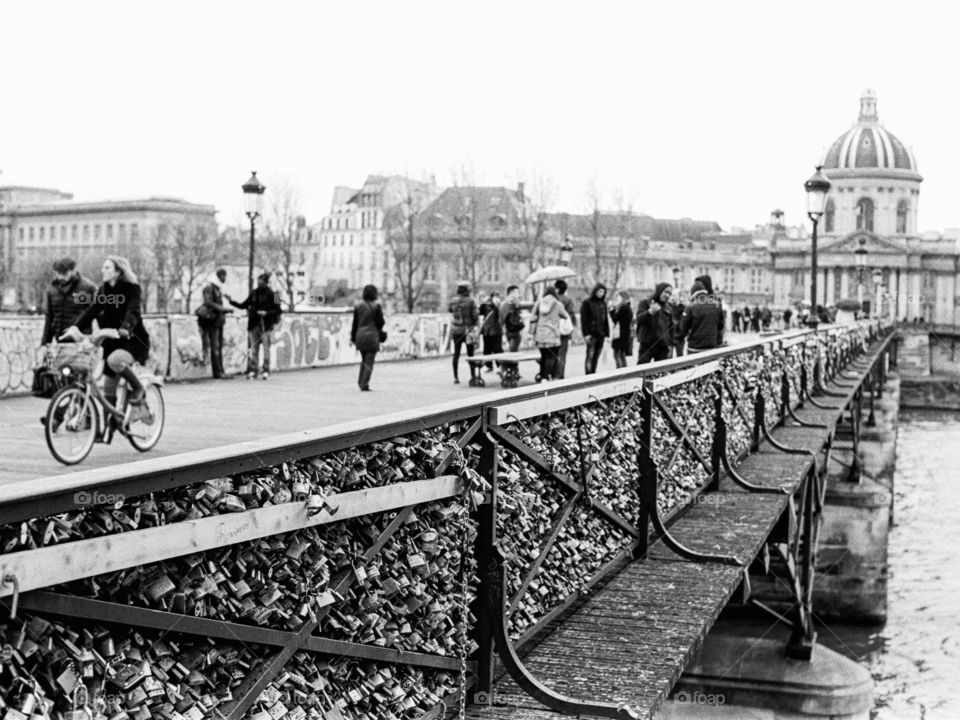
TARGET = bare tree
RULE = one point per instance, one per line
(594, 198)
(627, 229)
(282, 224)
(467, 219)
(196, 248)
(535, 207)
(409, 244)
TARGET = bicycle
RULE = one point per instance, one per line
(79, 415)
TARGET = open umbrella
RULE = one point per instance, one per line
(550, 272)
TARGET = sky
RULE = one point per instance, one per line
(714, 111)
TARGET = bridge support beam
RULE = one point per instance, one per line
(743, 677)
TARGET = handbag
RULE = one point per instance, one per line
(383, 336)
(473, 335)
(205, 313)
(566, 326)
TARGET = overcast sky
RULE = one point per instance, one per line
(713, 110)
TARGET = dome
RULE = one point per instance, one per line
(868, 144)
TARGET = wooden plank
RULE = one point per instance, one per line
(553, 400)
(55, 564)
(682, 376)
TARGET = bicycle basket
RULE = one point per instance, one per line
(79, 357)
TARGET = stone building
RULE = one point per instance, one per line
(39, 225)
(872, 204)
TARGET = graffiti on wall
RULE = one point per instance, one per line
(300, 340)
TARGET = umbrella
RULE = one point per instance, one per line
(550, 272)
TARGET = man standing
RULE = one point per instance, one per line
(491, 329)
(702, 324)
(595, 326)
(263, 311)
(211, 317)
(512, 319)
(67, 297)
(567, 302)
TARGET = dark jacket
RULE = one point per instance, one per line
(491, 320)
(215, 309)
(367, 325)
(65, 303)
(654, 328)
(465, 315)
(622, 315)
(118, 308)
(593, 314)
(262, 298)
(702, 323)
(511, 317)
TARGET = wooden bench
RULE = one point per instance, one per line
(509, 363)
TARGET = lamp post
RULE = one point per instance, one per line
(861, 257)
(676, 278)
(877, 280)
(566, 251)
(253, 204)
(817, 188)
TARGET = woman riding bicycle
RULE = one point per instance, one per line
(116, 308)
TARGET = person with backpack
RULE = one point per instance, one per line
(464, 328)
(702, 323)
(512, 318)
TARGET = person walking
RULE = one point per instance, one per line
(211, 317)
(367, 333)
(702, 323)
(567, 302)
(787, 317)
(655, 325)
(545, 327)
(766, 317)
(622, 316)
(491, 329)
(512, 318)
(263, 312)
(116, 308)
(464, 330)
(68, 296)
(594, 325)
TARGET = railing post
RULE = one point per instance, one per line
(484, 548)
(871, 378)
(759, 409)
(803, 638)
(719, 439)
(647, 473)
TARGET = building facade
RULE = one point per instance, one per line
(37, 226)
(872, 205)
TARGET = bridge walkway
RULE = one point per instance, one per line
(630, 641)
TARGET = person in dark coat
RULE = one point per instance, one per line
(366, 333)
(211, 317)
(116, 308)
(567, 302)
(787, 316)
(655, 325)
(622, 316)
(263, 312)
(491, 329)
(702, 323)
(594, 325)
(464, 328)
(67, 297)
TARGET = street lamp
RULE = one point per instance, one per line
(861, 257)
(253, 204)
(817, 188)
(676, 278)
(566, 251)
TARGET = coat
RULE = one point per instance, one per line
(593, 314)
(465, 315)
(654, 329)
(262, 298)
(702, 323)
(65, 303)
(491, 326)
(213, 307)
(368, 322)
(546, 321)
(117, 307)
(622, 315)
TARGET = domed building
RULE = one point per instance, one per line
(872, 205)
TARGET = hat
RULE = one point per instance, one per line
(64, 265)
(264, 276)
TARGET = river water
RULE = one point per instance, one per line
(915, 657)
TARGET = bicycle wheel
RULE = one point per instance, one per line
(70, 425)
(146, 420)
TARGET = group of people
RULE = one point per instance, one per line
(661, 324)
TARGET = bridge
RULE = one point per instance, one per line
(567, 547)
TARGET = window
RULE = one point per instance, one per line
(122, 232)
(20, 234)
(96, 232)
(865, 214)
(31, 233)
(756, 280)
(134, 231)
(903, 208)
(729, 280)
(73, 233)
(828, 216)
(86, 233)
(63, 233)
(42, 229)
(109, 232)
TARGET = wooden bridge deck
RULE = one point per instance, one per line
(631, 640)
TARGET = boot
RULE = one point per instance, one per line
(136, 387)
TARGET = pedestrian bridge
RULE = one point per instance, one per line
(567, 547)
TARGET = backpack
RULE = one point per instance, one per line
(513, 321)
